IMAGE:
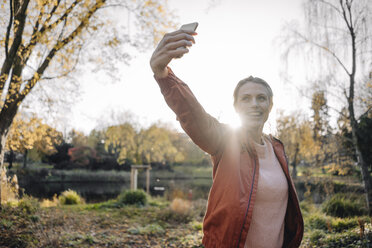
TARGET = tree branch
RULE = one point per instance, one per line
(8, 28)
(58, 46)
(64, 74)
(365, 113)
(331, 5)
(20, 17)
(344, 14)
(323, 48)
(348, 5)
(38, 34)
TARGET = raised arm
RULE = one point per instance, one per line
(202, 128)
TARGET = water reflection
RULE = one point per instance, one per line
(103, 191)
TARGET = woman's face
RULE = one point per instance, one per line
(253, 105)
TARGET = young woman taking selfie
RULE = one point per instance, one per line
(252, 202)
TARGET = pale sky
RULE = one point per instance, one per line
(235, 39)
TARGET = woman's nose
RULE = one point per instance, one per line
(253, 102)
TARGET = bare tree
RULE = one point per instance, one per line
(336, 45)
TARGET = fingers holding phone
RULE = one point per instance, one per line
(173, 45)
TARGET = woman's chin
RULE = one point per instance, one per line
(252, 125)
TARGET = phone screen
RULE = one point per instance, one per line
(190, 26)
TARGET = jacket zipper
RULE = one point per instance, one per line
(249, 202)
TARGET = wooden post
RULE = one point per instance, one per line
(131, 178)
(134, 176)
(148, 180)
(135, 179)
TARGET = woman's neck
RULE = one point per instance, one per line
(255, 134)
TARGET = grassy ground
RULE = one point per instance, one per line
(99, 225)
(154, 225)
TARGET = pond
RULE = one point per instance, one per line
(102, 187)
(103, 191)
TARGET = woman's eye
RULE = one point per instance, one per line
(262, 98)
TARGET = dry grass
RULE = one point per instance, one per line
(9, 187)
(46, 203)
(180, 206)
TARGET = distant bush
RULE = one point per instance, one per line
(179, 211)
(46, 203)
(349, 239)
(133, 197)
(180, 206)
(170, 216)
(341, 206)
(60, 156)
(316, 237)
(317, 221)
(70, 197)
(339, 225)
(307, 206)
(28, 205)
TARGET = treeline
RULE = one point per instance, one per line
(313, 141)
(113, 147)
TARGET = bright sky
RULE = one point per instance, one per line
(235, 39)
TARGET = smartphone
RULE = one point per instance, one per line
(190, 26)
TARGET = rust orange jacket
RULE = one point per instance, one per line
(235, 172)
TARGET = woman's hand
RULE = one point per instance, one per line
(173, 45)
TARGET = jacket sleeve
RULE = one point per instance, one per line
(203, 129)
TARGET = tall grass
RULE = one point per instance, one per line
(9, 187)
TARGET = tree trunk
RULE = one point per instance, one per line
(25, 158)
(3, 136)
(294, 163)
(6, 118)
(364, 169)
(11, 158)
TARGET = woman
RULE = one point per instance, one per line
(252, 202)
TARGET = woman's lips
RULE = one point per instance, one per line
(254, 113)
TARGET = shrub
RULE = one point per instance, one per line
(307, 206)
(46, 203)
(180, 206)
(70, 197)
(28, 205)
(15, 225)
(133, 197)
(349, 239)
(316, 237)
(340, 225)
(316, 221)
(170, 216)
(340, 206)
(197, 226)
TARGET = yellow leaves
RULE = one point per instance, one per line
(297, 136)
(36, 76)
(160, 9)
(86, 3)
(28, 133)
(113, 42)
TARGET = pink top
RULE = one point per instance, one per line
(267, 225)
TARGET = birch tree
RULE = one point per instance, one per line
(336, 47)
